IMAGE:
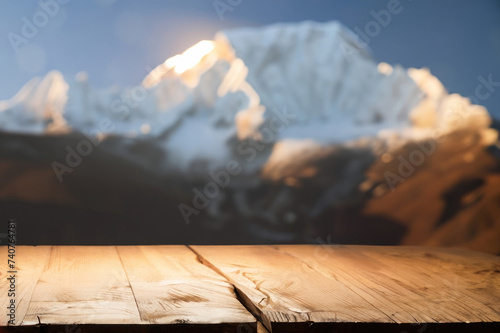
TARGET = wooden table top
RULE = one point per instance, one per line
(250, 289)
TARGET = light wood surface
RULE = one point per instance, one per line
(29, 264)
(171, 286)
(330, 284)
(436, 286)
(83, 285)
(283, 288)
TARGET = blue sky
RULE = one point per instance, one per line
(118, 42)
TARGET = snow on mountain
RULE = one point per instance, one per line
(37, 108)
(263, 97)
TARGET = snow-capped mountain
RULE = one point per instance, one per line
(270, 101)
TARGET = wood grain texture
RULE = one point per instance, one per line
(349, 284)
(30, 262)
(282, 288)
(413, 284)
(83, 285)
(171, 286)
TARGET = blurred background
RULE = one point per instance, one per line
(120, 42)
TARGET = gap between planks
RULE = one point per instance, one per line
(129, 283)
(171, 286)
(38, 267)
(265, 324)
(355, 266)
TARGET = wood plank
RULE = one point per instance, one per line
(30, 262)
(428, 284)
(171, 286)
(343, 284)
(290, 288)
(83, 285)
(282, 290)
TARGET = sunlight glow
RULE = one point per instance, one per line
(191, 57)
